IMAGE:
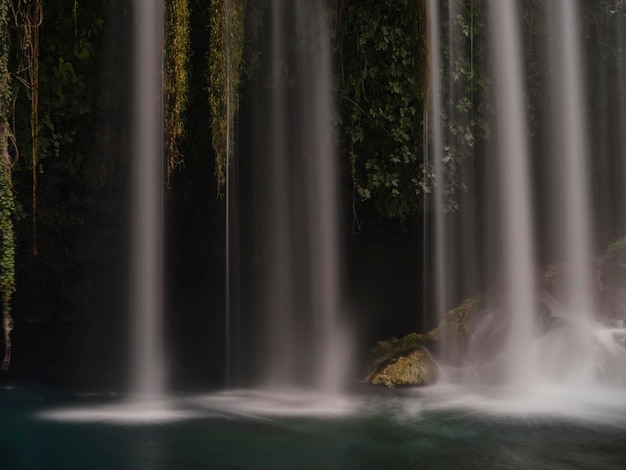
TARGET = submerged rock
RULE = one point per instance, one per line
(411, 367)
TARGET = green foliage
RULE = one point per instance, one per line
(383, 91)
(7, 197)
(176, 79)
(465, 93)
(226, 45)
(7, 242)
(69, 70)
(69, 87)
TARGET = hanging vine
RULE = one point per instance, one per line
(28, 17)
(7, 201)
(176, 80)
(226, 44)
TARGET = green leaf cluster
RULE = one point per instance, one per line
(383, 90)
(70, 78)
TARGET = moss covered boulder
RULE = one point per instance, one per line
(411, 367)
(407, 360)
(389, 348)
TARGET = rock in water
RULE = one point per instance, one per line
(412, 367)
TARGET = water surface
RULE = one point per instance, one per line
(373, 429)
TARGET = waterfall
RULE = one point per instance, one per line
(318, 150)
(299, 336)
(279, 306)
(146, 296)
(570, 151)
(575, 351)
(440, 261)
(513, 175)
(539, 327)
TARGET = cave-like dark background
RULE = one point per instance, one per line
(71, 303)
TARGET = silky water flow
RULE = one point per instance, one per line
(514, 363)
(532, 351)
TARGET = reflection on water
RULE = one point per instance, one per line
(406, 429)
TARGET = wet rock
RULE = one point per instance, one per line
(457, 327)
(389, 348)
(410, 367)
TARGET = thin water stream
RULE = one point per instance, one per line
(147, 357)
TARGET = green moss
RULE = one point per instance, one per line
(392, 346)
(176, 79)
(7, 196)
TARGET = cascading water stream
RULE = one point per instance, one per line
(570, 354)
(318, 148)
(279, 302)
(519, 253)
(440, 261)
(146, 306)
(570, 146)
(300, 338)
(538, 336)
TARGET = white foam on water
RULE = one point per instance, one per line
(131, 412)
(249, 403)
(587, 403)
(285, 402)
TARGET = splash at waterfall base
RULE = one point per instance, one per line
(469, 345)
